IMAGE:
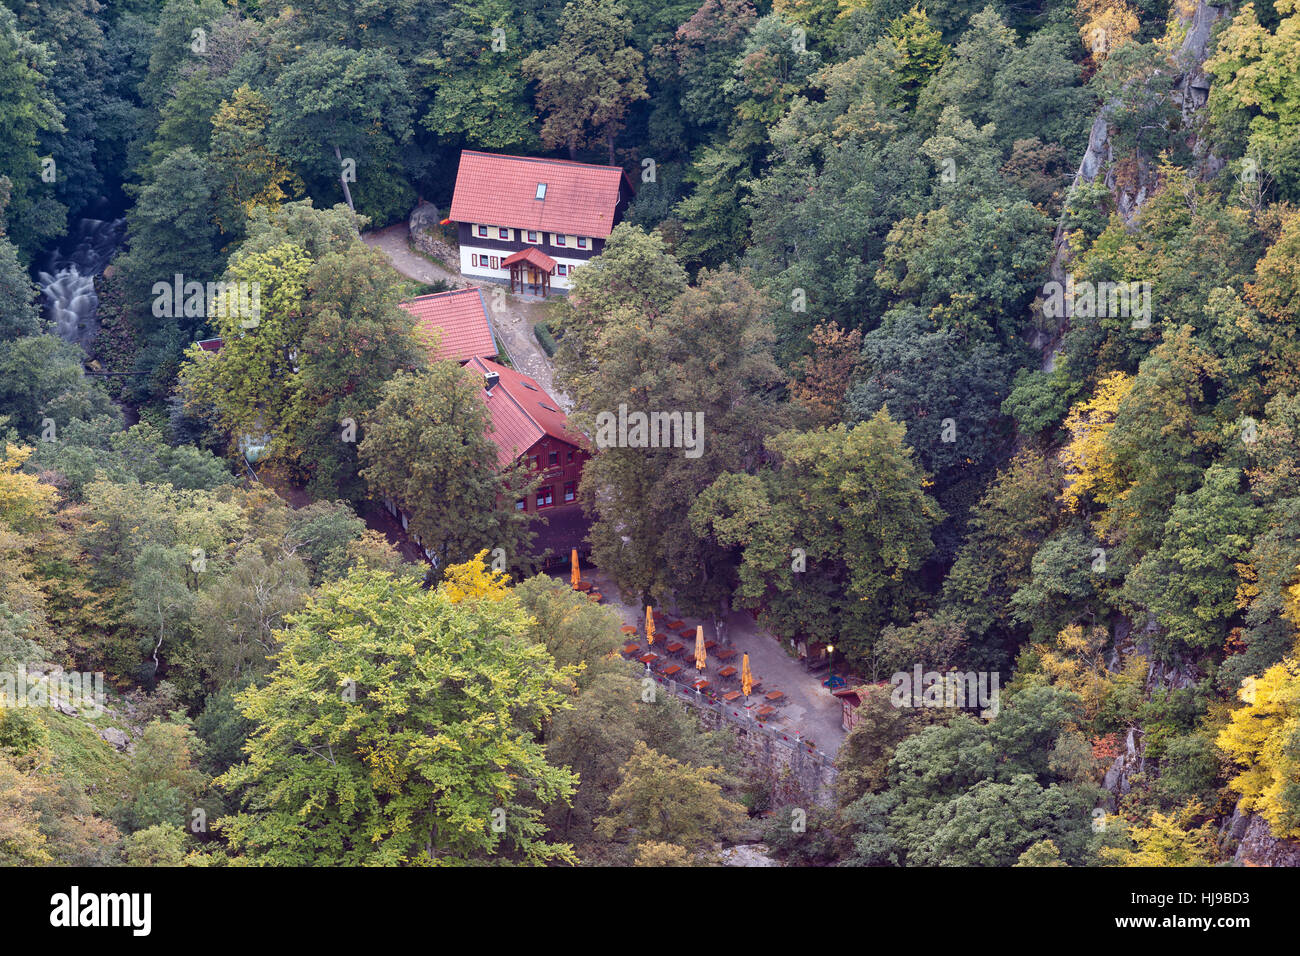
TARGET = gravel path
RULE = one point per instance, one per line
(512, 316)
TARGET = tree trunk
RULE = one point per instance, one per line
(609, 141)
(720, 618)
(573, 150)
(347, 193)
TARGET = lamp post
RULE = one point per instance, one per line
(830, 678)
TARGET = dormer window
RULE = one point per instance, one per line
(582, 242)
(541, 190)
(482, 231)
(560, 239)
(532, 236)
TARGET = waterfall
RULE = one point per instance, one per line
(68, 280)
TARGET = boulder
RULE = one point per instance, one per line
(117, 738)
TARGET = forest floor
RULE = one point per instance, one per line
(513, 322)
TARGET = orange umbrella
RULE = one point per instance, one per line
(574, 576)
(701, 657)
(649, 625)
(746, 678)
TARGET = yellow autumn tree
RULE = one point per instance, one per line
(1089, 464)
(24, 500)
(1168, 840)
(1261, 738)
(1105, 25)
(1076, 660)
(251, 174)
(473, 580)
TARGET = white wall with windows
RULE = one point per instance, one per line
(486, 264)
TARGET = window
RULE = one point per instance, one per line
(570, 456)
(545, 496)
(547, 407)
(473, 259)
(552, 458)
(482, 231)
(503, 233)
(541, 190)
(570, 492)
(532, 236)
(561, 269)
(532, 462)
(521, 505)
(559, 239)
(495, 260)
(582, 242)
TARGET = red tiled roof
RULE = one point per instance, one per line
(460, 317)
(522, 412)
(499, 190)
(533, 255)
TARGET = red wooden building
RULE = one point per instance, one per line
(528, 424)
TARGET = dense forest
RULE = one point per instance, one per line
(991, 310)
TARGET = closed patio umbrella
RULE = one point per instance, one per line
(574, 575)
(701, 656)
(746, 678)
(649, 625)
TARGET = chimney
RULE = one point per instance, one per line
(490, 380)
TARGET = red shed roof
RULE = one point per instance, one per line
(498, 190)
(460, 317)
(522, 412)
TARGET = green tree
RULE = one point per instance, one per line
(355, 339)
(480, 93)
(853, 504)
(426, 447)
(400, 727)
(665, 801)
(28, 113)
(333, 106)
(588, 78)
(1190, 582)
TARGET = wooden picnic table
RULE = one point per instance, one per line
(674, 647)
(710, 643)
(726, 654)
(630, 649)
(649, 658)
(687, 633)
(765, 711)
(672, 669)
(774, 696)
(628, 628)
(700, 684)
(731, 696)
(728, 671)
(676, 625)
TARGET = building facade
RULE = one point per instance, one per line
(531, 222)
